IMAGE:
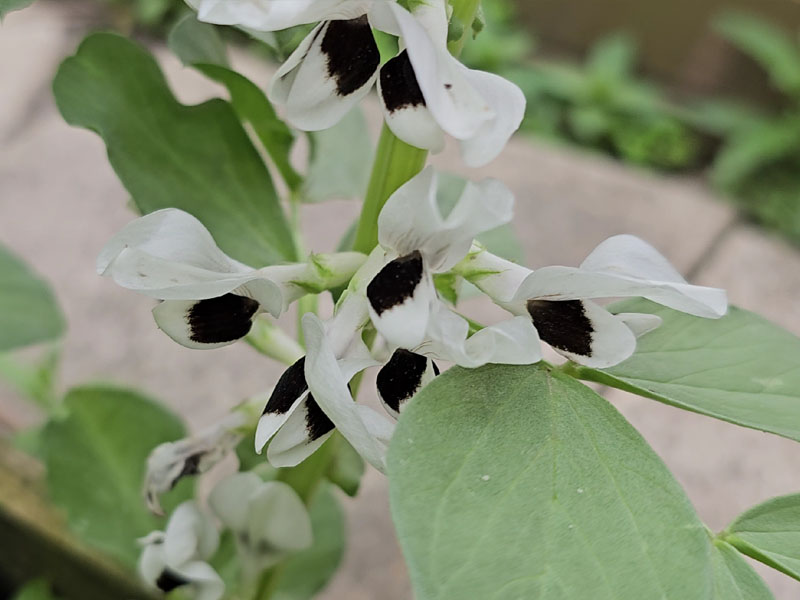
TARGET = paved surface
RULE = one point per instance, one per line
(60, 201)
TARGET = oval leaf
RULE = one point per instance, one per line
(519, 482)
(196, 158)
(770, 533)
(29, 313)
(734, 579)
(741, 368)
(95, 461)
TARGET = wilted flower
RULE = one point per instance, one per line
(268, 519)
(177, 557)
(210, 299)
(559, 299)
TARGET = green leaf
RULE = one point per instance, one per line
(29, 313)
(35, 590)
(306, 573)
(196, 158)
(7, 6)
(734, 579)
(613, 57)
(770, 533)
(195, 42)
(95, 461)
(767, 44)
(520, 482)
(35, 381)
(199, 45)
(741, 368)
(341, 158)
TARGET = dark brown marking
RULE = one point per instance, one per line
(563, 324)
(395, 283)
(219, 320)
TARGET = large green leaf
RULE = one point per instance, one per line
(520, 482)
(95, 462)
(734, 579)
(340, 162)
(200, 45)
(28, 310)
(306, 573)
(741, 368)
(770, 533)
(7, 6)
(197, 158)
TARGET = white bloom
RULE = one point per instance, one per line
(210, 299)
(172, 461)
(558, 299)
(268, 519)
(177, 557)
(418, 242)
(425, 91)
(274, 15)
(312, 398)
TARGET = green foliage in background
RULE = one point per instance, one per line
(759, 163)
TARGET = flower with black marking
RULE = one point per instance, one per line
(176, 558)
(426, 93)
(558, 300)
(172, 461)
(268, 519)
(418, 242)
(312, 397)
(209, 299)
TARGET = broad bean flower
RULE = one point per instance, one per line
(176, 558)
(209, 299)
(425, 92)
(559, 300)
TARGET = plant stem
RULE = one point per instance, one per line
(395, 163)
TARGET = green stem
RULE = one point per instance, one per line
(395, 163)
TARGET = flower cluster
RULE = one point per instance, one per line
(209, 300)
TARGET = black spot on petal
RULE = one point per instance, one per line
(563, 324)
(395, 283)
(219, 320)
(353, 55)
(170, 580)
(317, 422)
(289, 388)
(399, 86)
(401, 377)
(191, 467)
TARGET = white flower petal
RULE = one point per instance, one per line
(331, 71)
(379, 427)
(274, 15)
(330, 390)
(190, 535)
(400, 299)
(513, 342)
(508, 104)
(230, 496)
(207, 324)
(277, 519)
(287, 397)
(496, 277)
(301, 434)
(411, 220)
(640, 323)
(152, 561)
(404, 108)
(455, 104)
(583, 331)
(207, 584)
(402, 377)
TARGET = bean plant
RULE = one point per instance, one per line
(509, 477)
